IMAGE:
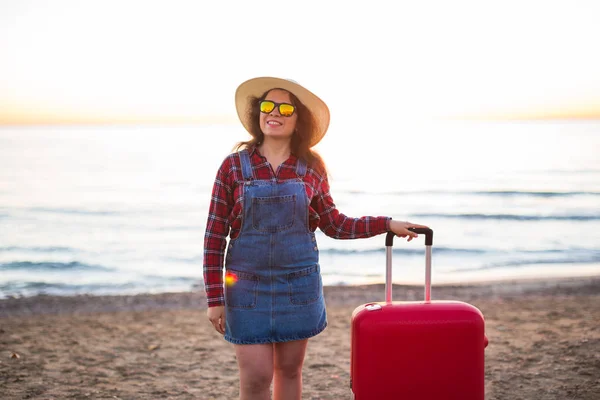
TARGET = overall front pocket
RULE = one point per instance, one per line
(305, 285)
(273, 213)
(242, 293)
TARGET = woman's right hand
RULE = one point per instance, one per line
(216, 315)
(400, 228)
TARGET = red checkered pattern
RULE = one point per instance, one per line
(225, 213)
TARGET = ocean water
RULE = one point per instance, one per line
(121, 210)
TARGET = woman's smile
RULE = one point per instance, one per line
(272, 122)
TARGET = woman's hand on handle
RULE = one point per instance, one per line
(400, 228)
(216, 315)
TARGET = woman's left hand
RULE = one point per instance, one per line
(400, 228)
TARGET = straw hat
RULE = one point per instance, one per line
(256, 87)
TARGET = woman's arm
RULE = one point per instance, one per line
(215, 237)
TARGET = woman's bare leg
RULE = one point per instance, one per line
(288, 358)
(256, 370)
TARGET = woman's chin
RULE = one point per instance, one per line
(270, 135)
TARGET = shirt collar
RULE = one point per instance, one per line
(254, 149)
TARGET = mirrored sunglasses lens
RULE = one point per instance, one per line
(267, 106)
(286, 110)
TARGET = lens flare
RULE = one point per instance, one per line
(230, 278)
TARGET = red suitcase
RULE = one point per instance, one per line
(417, 350)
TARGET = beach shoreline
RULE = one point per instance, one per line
(335, 295)
(544, 337)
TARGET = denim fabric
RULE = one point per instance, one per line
(278, 295)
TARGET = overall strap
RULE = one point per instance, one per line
(301, 168)
(246, 165)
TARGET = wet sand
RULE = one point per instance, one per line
(544, 343)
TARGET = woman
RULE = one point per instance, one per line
(270, 196)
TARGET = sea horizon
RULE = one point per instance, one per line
(122, 210)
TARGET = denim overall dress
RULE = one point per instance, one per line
(278, 294)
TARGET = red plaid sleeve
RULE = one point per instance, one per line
(215, 238)
(337, 225)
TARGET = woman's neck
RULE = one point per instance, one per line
(276, 149)
(275, 152)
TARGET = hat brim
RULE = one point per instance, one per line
(256, 87)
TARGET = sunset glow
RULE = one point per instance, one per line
(71, 62)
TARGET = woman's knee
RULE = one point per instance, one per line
(256, 380)
(289, 372)
(289, 368)
(256, 367)
(289, 358)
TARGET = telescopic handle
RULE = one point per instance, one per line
(389, 242)
(428, 232)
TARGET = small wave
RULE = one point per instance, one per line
(510, 193)
(185, 260)
(584, 259)
(166, 279)
(73, 211)
(52, 266)
(150, 285)
(50, 249)
(419, 251)
(451, 250)
(567, 171)
(175, 228)
(490, 193)
(512, 217)
(30, 288)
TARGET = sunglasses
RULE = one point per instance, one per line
(285, 109)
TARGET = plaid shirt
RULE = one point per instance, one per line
(225, 213)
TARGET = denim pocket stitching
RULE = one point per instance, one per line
(304, 273)
(274, 200)
(246, 276)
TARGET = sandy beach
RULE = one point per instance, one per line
(544, 343)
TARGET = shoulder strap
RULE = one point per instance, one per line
(246, 165)
(301, 168)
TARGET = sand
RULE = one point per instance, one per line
(544, 343)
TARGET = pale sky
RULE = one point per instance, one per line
(182, 60)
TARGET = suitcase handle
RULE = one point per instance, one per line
(389, 242)
(428, 232)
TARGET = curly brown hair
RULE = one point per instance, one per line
(301, 138)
